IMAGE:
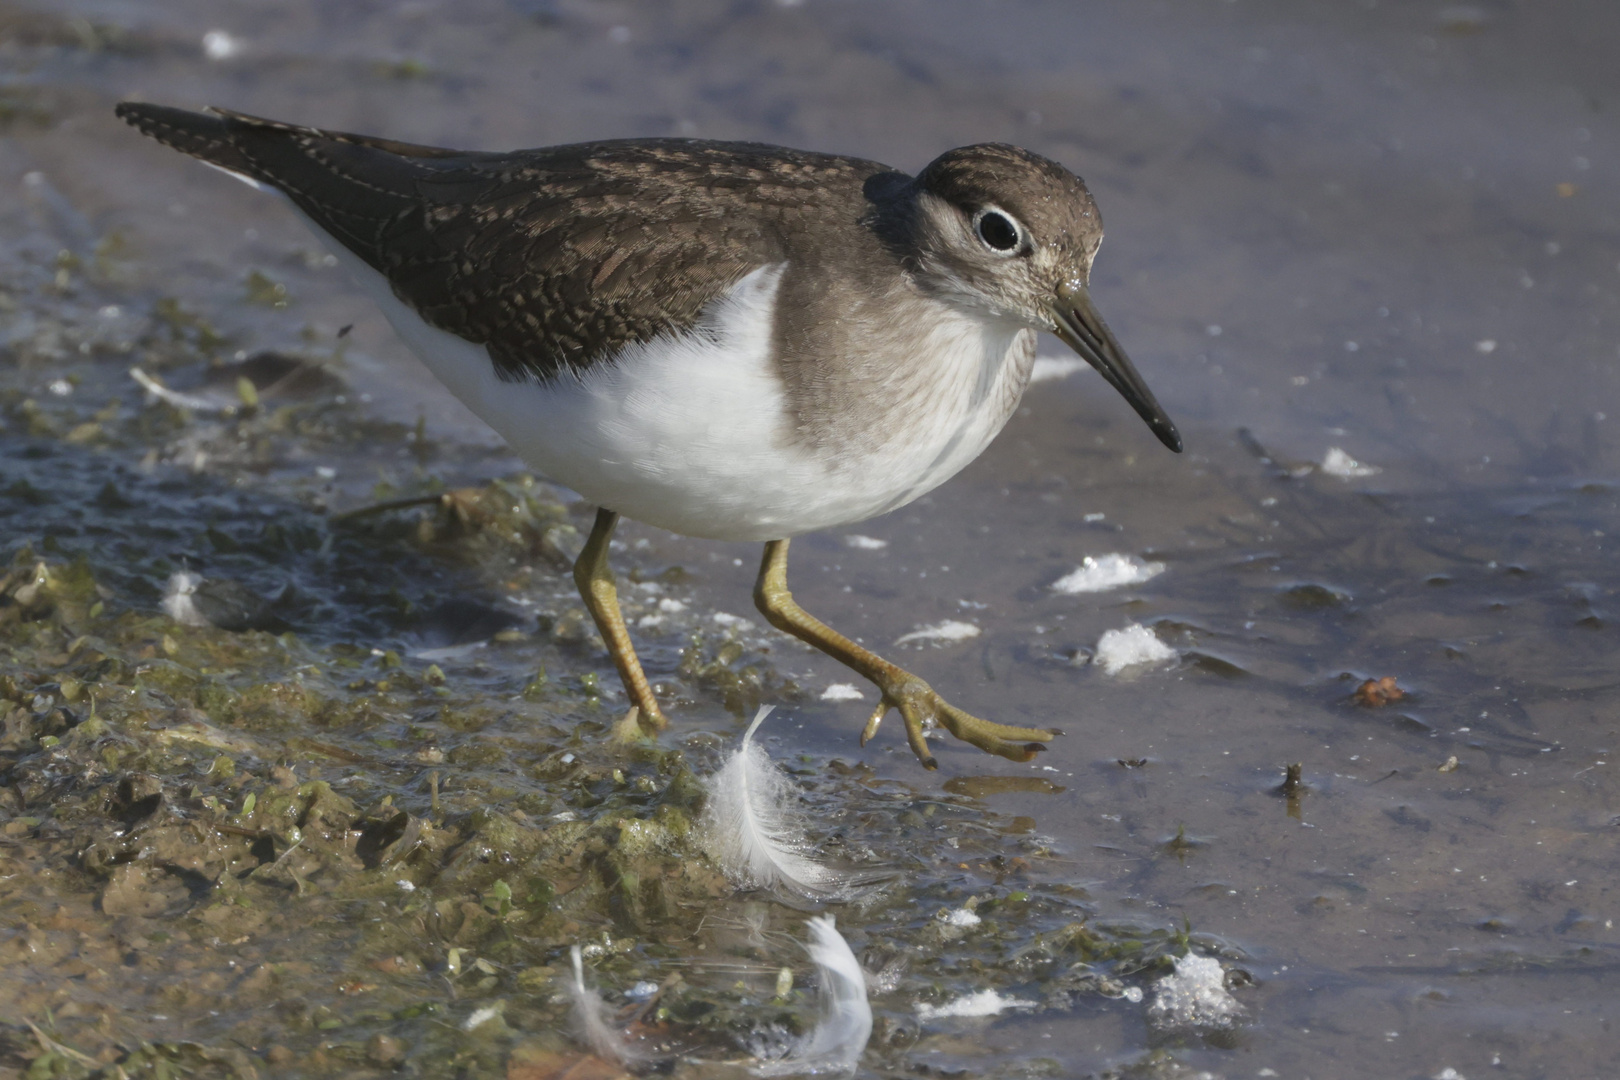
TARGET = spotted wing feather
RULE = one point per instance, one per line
(552, 258)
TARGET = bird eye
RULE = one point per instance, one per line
(998, 231)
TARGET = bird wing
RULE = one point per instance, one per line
(553, 259)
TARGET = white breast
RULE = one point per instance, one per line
(690, 432)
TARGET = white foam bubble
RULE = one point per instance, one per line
(1135, 644)
(1338, 463)
(842, 691)
(1194, 996)
(981, 1003)
(1106, 572)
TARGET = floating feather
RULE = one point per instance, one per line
(753, 826)
(835, 1044)
(593, 1023)
(177, 599)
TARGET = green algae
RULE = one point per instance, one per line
(224, 803)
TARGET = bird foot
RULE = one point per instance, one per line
(921, 708)
(636, 726)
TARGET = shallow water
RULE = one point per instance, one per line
(1391, 230)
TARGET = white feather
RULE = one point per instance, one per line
(591, 1019)
(177, 602)
(753, 828)
(835, 1044)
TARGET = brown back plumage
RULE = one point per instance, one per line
(552, 258)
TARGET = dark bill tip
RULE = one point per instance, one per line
(1082, 329)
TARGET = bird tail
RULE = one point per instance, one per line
(207, 136)
(225, 138)
(350, 186)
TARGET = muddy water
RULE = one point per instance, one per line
(1386, 230)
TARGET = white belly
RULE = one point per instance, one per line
(691, 433)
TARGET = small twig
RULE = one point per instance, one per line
(1293, 784)
(175, 398)
(640, 1011)
(292, 847)
(51, 1046)
(384, 507)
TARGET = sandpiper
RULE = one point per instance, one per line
(727, 340)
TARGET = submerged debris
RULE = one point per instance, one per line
(1293, 788)
(1376, 693)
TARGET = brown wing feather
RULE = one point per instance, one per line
(553, 258)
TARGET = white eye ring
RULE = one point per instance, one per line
(998, 231)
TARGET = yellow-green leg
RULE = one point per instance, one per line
(595, 580)
(898, 689)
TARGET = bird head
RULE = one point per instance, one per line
(1012, 235)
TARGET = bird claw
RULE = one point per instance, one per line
(921, 708)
